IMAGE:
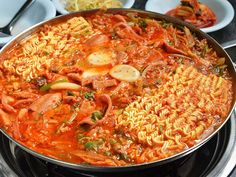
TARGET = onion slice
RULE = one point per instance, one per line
(125, 73)
(65, 85)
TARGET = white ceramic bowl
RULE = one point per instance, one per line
(39, 11)
(60, 5)
(222, 8)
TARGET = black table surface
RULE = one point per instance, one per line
(223, 35)
(227, 33)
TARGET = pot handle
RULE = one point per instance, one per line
(229, 44)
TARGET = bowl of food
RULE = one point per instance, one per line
(68, 6)
(207, 15)
(114, 90)
(39, 11)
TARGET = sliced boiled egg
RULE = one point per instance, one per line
(101, 58)
(94, 72)
(125, 73)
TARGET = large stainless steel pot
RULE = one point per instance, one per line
(220, 51)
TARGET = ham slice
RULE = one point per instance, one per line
(88, 80)
(74, 76)
(4, 118)
(86, 109)
(99, 85)
(23, 102)
(5, 103)
(82, 80)
(97, 40)
(172, 49)
(120, 18)
(46, 102)
(104, 98)
(71, 69)
(70, 99)
(87, 121)
(25, 94)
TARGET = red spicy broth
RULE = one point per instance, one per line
(112, 90)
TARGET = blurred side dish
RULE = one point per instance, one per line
(76, 5)
(192, 11)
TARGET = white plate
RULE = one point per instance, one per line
(222, 8)
(60, 5)
(39, 11)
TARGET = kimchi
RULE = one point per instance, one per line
(194, 12)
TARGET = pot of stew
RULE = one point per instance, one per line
(114, 90)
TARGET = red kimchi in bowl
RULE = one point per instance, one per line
(194, 12)
(109, 89)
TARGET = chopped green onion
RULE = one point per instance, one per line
(118, 112)
(107, 153)
(40, 114)
(72, 118)
(204, 51)
(219, 70)
(158, 82)
(80, 136)
(161, 128)
(96, 116)
(75, 106)
(113, 35)
(82, 139)
(173, 73)
(89, 95)
(70, 93)
(46, 53)
(55, 69)
(113, 141)
(165, 24)
(170, 43)
(91, 145)
(142, 23)
(122, 156)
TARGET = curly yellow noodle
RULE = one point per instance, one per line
(157, 124)
(38, 48)
(77, 5)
